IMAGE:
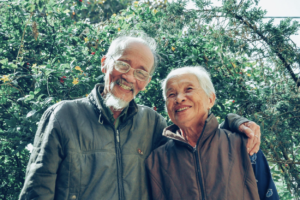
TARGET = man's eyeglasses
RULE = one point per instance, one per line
(124, 67)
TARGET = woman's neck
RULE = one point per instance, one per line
(192, 134)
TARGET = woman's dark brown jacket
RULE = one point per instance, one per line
(218, 168)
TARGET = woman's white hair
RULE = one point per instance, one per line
(119, 44)
(202, 75)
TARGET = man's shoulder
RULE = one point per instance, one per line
(164, 149)
(233, 138)
(69, 106)
(145, 109)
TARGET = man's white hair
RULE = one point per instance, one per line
(119, 44)
(200, 72)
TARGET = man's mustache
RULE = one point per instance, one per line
(124, 82)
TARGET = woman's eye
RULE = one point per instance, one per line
(171, 95)
(189, 89)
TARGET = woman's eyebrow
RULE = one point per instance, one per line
(169, 89)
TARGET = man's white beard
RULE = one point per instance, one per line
(111, 100)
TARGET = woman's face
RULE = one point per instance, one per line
(187, 103)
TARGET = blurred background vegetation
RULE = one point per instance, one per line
(51, 50)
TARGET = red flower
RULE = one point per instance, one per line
(28, 63)
(80, 0)
(61, 80)
(154, 108)
(233, 101)
(64, 77)
(241, 73)
(93, 53)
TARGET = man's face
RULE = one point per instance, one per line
(124, 85)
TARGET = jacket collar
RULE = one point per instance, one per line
(210, 127)
(94, 99)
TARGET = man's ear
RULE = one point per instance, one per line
(146, 84)
(103, 69)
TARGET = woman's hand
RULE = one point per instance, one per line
(252, 131)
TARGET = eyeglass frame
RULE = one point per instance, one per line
(134, 70)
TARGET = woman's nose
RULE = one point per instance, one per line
(180, 97)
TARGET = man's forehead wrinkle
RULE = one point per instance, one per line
(134, 45)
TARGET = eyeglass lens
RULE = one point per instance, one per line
(138, 73)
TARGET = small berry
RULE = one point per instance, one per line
(93, 53)
(80, 0)
(233, 101)
(154, 108)
(64, 77)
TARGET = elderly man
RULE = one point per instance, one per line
(95, 147)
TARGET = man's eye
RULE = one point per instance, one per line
(189, 89)
(171, 95)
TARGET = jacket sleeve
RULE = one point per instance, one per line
(265, 184)
(44, 160)
(158, 138)
(232, 122)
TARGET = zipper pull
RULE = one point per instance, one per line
(195, 149)
(118, 139)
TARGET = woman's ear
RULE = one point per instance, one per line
(212, 100)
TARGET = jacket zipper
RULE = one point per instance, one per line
(119, 165)
(198, 167)
(199, 172)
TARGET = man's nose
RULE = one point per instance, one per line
(129, 76)
(180, 97)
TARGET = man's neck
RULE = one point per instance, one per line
(116, 113)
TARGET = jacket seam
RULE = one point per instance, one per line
(154, 135)
(166, 172)
(157, 183)
(63, 146)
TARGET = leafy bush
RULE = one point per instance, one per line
(49, 52)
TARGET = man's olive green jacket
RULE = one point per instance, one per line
(78, 153)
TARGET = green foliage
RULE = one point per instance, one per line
(49, 52)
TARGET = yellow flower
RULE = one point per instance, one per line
(78, 68)
(86, 95)
(248, 74)
(86, 39)
(5, 78)
(173, 48)
(119, 29)
(114, 14)
(234, 66)
(155, 11)
(34, 65)
(75, 81)
(136, 3)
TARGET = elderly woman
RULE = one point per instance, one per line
(202, 161)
